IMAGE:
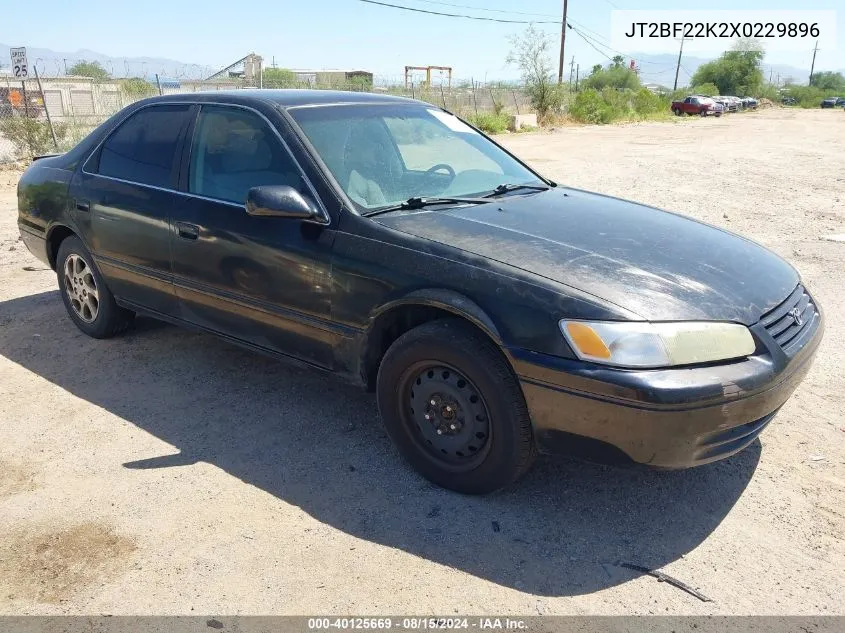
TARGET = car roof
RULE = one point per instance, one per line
(289, 98)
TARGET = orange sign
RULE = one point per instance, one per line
(15, 98)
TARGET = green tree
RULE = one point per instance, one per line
(89, 69)
(280, 78)
(530, 53)
(618, 61)
(614, 76)
(710, 90)
(135, 87)
(736, 72)
(828, 80)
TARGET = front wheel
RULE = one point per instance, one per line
(454, 408)
(88, 300)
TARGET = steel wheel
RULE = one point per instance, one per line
(448, 416)
(81, 288)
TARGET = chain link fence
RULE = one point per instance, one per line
(52, 114)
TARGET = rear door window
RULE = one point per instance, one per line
(143, 149)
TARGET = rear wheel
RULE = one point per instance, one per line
(88, 300)
(454, 408)
(678, 111)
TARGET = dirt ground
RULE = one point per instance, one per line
(169, 472)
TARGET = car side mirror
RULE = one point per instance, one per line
(281, 201)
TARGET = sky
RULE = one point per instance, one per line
(348, 33)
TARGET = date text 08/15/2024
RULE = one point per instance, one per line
(416, 623)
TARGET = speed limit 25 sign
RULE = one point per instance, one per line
(20, 67)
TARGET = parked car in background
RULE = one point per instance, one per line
(494, 312)
(727, 104)
(789, 101)
(833, 102)
(717, 108)
(749, 103)
(696, 104)
(721, 101)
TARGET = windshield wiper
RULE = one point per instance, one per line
(420, 203)
(503, 189)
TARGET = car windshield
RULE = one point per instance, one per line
(384, 154)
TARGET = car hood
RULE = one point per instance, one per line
(655, 264)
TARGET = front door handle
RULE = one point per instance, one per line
(83, 205)
(187, 231)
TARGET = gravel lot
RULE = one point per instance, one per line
(169, 472)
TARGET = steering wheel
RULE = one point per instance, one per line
(441, 166)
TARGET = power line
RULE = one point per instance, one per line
(594, 43)
(604, 45)
(466, 6)
(459, 15)
(583, 37)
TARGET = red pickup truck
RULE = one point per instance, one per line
(696, 105)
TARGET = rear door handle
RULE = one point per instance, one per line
(83, 205)
(187, 231)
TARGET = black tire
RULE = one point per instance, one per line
(110, 319)
(451, 346)
(678, 112)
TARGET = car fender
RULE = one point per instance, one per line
(444, 299)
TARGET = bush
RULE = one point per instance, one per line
(137, 88)
(809, 96)
(648, 104)
(617, 77)
(31, 137)
(490, 123)
(592, 106)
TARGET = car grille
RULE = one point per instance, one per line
(782, 325)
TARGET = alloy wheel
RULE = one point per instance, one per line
(81, 288)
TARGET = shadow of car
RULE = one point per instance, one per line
(318, 445)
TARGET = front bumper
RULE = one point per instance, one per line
(669, 418)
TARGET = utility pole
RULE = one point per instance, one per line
(678, 67)
(571, 71)
(577, 72)
(813, 65)
(562, 43)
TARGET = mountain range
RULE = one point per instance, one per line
(656, 69)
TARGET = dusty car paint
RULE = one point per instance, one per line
(333, 294)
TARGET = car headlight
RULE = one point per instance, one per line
(642, 344)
